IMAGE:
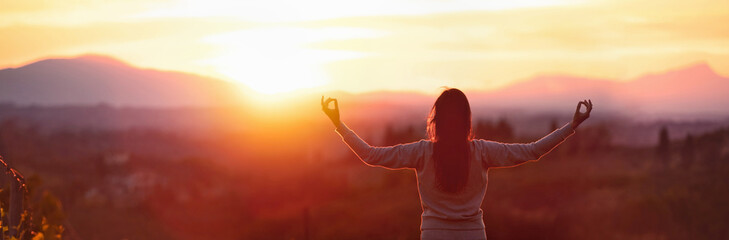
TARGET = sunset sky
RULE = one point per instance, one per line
(321, 45)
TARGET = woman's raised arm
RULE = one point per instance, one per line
(498, 154)
(394, 157)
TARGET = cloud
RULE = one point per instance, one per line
(78, 12)
(554, 28)
(25, 42)
(491, 48)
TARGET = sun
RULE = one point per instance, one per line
(269, 68)
(271, 72)
(276, 60)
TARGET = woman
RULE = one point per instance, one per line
(452, 168)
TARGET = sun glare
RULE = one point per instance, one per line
(268, 71)
(276, 60)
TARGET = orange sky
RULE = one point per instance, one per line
(321, 45)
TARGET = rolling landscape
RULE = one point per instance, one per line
(197, 120)
(120, 151)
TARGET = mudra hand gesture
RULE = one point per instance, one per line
(579, 116)
(333, 114)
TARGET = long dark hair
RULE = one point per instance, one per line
(449, 128)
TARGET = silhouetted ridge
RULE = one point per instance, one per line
(692, 72)
(95, 79)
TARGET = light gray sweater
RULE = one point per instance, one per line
(462, 210)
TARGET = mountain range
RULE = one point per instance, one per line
(692, 89)
(95, 79)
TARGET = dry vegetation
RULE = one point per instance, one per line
(147, 184)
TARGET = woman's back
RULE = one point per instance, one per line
(445, 210)
(459, 210)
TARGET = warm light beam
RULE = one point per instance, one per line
(276, 60)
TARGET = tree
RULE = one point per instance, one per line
(663, 148)
(555, 152)
(390, 137)
(501, 131)
(505, 131)
(394, 136)
(483, 129)
(688, 151)
(553, 125)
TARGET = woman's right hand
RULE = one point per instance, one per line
(333, 114)
(579, 116)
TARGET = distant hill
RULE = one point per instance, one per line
(693, 90)
(81, 92)
(94, 79)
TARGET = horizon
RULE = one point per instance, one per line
(435, 92)
(686, 92)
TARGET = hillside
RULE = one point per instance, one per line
(693, 91)
(690, 90)
(92, 79)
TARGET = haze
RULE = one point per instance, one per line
(285, 46)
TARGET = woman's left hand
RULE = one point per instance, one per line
(333, 114)
(579, 116)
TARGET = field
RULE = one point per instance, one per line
(151, 183)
